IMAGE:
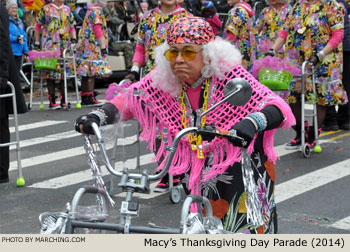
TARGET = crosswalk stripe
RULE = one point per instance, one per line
(342, 224)
(36, 125)
(85, 175)
(64, 135)
(51, 157)
(46, 158)
(310, 181)
(46, 139)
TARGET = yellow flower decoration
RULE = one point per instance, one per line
(321, 101)
(291, 99)
(241, 205)
(322, 88)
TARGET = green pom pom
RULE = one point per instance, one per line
(78, 106)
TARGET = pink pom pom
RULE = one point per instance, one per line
(125, 84)
(32, 55)
(109, 95)
(275, 64)
(114, 89)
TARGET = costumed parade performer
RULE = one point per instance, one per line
(55, 24)
(192, 69)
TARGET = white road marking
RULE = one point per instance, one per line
(36, 125)
(342, 224)
(312, 180)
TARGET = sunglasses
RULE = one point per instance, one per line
(187, 53)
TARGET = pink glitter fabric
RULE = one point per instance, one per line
(156, 110)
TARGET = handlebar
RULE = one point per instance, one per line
(171, 149)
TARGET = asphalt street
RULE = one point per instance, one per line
(312, 194)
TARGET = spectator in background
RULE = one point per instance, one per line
(208, 12)
(341, 119)
(194, 7)
(112, 18)
(126, 12)
(143, 7)
(80, 11)
(7, 73)
(18, 36)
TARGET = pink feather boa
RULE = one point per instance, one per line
(275, 64)
(49, 54)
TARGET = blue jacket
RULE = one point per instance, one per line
(17, 29)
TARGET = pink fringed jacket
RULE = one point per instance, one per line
(157, 110)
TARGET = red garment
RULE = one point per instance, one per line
(247, 7)
(215, 23)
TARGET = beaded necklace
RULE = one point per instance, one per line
(155, 34)
(274, 21)
(191, 138)
(61, 18)
(304, 21)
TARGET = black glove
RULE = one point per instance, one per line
(208, 132)
(86, 121)
(133, 76)
(104, 51)
(314, 59)
(3, 82)
(270, 52)
(244, 129)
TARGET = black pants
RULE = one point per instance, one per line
(4, 151)
(343, 115)
(18, 60)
